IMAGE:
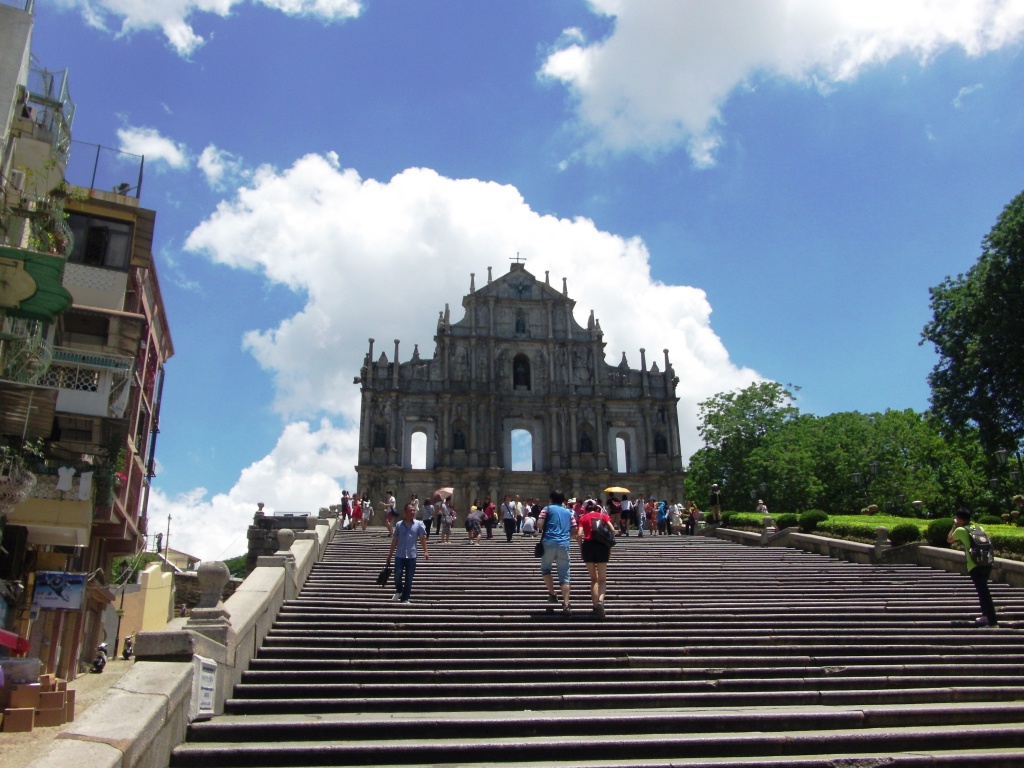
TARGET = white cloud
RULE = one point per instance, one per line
(964, 92)
(661, 77)
(382, 259)
(172, 17)
(221, 168)
(305, 471)
(155, 148)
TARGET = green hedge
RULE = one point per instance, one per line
(938, 530)
(1008, 539)
(904, 533)
(856, 531)
(743, 520)
(788, 520)
(810, 520)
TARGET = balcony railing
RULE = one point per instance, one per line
(48, 104)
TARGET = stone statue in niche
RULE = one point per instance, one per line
(520, 323)
(380, 436)
(460, 368)
(586, 444)
(581, 367)
(458, 439)
(521, 373)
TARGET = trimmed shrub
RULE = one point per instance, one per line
(990, 520)
(809, 520)
(788, 520)
(854, 531)
(938, 530)
(745, 520)
(905, 533)
(726, 517)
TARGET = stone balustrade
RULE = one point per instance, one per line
(144, 715)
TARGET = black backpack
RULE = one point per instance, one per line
(981, 546)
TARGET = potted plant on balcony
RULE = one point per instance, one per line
(16, 481)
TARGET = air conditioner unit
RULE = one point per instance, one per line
(16, 180)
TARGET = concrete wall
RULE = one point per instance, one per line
(15, 36)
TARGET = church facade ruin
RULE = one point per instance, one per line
(517, 399)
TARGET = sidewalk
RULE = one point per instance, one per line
(18, 749)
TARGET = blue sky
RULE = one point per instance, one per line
(766, 189)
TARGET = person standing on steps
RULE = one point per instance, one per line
(428, 515)
(716, 504)
(556, 525)
(407, 534)
(979, 572)
(508, 517)
(595, 554)
(389, 511)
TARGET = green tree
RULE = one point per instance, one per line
(978, 331)
(732, 425)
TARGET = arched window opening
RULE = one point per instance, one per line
(522, 450)
(521, 372)
(418, 450)
(660, 444)
(621, 455)
(459, 439)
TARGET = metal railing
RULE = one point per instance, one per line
(97, 167)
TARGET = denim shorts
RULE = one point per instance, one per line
(556, 552)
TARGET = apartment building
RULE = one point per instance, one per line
(83, 343)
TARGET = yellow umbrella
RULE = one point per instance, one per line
(617, 489)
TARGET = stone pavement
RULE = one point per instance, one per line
(18, 749)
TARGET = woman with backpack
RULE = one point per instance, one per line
(594, 553)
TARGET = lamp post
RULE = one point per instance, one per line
(1002, 456)
(858, 481)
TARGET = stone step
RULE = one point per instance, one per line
(710, 697)
(512, 724)
(731, 656)
(498, 748)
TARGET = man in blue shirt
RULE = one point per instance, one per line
(556, 525)
(403, 546)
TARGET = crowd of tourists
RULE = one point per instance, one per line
(594, 525)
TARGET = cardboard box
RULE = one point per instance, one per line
(25, 696)
(47, 718)
(47, 683)
(18, 720)
(62, 685)
(51, 700)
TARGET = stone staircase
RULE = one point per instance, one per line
(711, 654)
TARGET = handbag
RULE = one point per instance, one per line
(602, 533)
(384, 575)
(538, 549)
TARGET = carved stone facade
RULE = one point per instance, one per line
(517, 364)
